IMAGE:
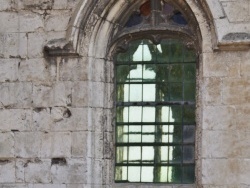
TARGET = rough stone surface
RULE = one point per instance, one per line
(57, 109)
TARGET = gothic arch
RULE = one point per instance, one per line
(91, 32)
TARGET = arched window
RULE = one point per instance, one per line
(155, 68)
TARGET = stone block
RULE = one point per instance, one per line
(7, 171)
(97, 69)
(15, 119)
(37, 171)
(55, 17)
(237, 11)
(30, 21)
(74, 69)
(60, 4)
(97, 119)
(219, 118)
(9, 69)
(63, 93)
(244, 172)
(109, 117)
(43, 95)
(60, 119)
(99, 144)
(6, 145)
(212, 90)
(79, 144)
(97, 94)
(221, 64)
(35, 70)
(242, 117)
(7, 5)
(38, 4)
(14, 186)
(109, 95)
(28, 144)
(13, 45)
(236, 91)
(109, 71)
(47, 186)
(56, 145)
(108, 145)
(216, 170)
(75, 171)
(8, 22)
(80, 94)
(245, 64)
(36, 42)
(41, 119)
(222, 144)
(19, 170)
(16, 94)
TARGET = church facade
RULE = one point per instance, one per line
(124, 93)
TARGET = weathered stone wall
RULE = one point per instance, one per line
(56, 112)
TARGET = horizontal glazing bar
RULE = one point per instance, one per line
(151, 62)
(155, 164)
(160, 103)
(153, 144)
(155, 123)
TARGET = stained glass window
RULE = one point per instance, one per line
(155, 112)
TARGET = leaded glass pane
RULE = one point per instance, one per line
(155, 113)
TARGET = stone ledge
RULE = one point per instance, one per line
(60, 47)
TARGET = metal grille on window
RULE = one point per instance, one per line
(155, 112)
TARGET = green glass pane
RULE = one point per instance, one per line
(147, 174)
(135, 114)
(121, 154)
(148, 114)
(188, 154)
(190, 55)
(162, 72)
(189, 91)
(122, 72)
(165, 51)
(176, 155)
(121, 173)
(148, 133)
(175, 73)
(134, 155)
(150, 51)
(135, 92)
(176, 113)
(149, 73)
(135, 51)
(188, 174)
(148, 154)
(176, 173)
(148, 92)
(189, 72)
(176, 92)
(134, 174)
(122, 92)
(122, 134)
(189, 114)
(164, 114)
(134, 133)
(189, 134)
(167, 136)
(177, 134)
(162, 92)
(123, 57)
(166, 174)
(122, 114)
(176, 52)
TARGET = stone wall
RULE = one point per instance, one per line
(56, 115)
